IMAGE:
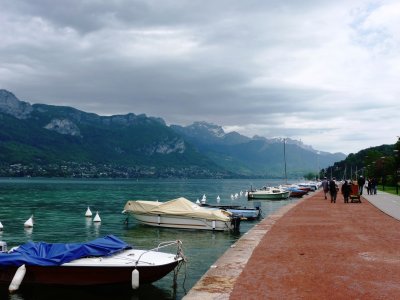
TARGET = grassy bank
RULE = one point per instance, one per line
(389, 189)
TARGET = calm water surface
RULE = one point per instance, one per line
(59, 207)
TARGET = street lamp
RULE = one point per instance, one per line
(383, 173)
(396, 152)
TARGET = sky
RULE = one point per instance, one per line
(320, 71)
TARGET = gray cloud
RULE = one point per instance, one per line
(318, 71)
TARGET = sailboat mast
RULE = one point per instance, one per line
(284, 157)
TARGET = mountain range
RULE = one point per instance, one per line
(48, 140)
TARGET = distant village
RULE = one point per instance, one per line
(90, 170)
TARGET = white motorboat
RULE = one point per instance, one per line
(181, 213)
(268, 193)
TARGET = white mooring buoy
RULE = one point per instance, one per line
(1, 226)
(29, 223)
(97, 217)
(88, 213)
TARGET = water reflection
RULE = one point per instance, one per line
(14, 297)
(28, 232)
(96, 226)
(97, 293)
(88, 222)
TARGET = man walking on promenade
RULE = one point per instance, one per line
(346, 191)
(325, 186)
(333, 189)
(374, 184)
(361, 182)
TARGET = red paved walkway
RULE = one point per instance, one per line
(310, 250)
(323, 250)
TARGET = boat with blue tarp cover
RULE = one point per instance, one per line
(103, 261)
(249, 213)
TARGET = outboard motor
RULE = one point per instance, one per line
(257, 205)
(235, 221)
(3, 246)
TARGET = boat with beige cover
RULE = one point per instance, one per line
(181, 213)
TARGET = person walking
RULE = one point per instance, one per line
(333, 188)
(325, 186)
(360, 182)
(369, 186)
(374, 184)
(346, 191)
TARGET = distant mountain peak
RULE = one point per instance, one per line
(209, 133)
(11, 105)
(210, 128)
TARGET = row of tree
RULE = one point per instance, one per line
(382, 163)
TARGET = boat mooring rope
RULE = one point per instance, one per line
(178, 267)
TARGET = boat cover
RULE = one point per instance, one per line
(45, 254)
(176, 207)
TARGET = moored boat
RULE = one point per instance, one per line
(248, 213)
(268, 193)
(104, 261)
(312, 185)
(181, 213)
(295, 191)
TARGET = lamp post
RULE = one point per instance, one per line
(396, 152)
(383, 173)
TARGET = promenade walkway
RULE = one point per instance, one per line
(313, 249)
(388, 203)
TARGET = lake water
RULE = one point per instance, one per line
(59, 207)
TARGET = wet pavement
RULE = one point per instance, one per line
(313, 249)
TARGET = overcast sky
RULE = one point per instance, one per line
(324, 72)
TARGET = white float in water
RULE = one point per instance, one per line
(1, 226)
(88, 213)
(218, 199)
(97, 217)
(29, 223)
